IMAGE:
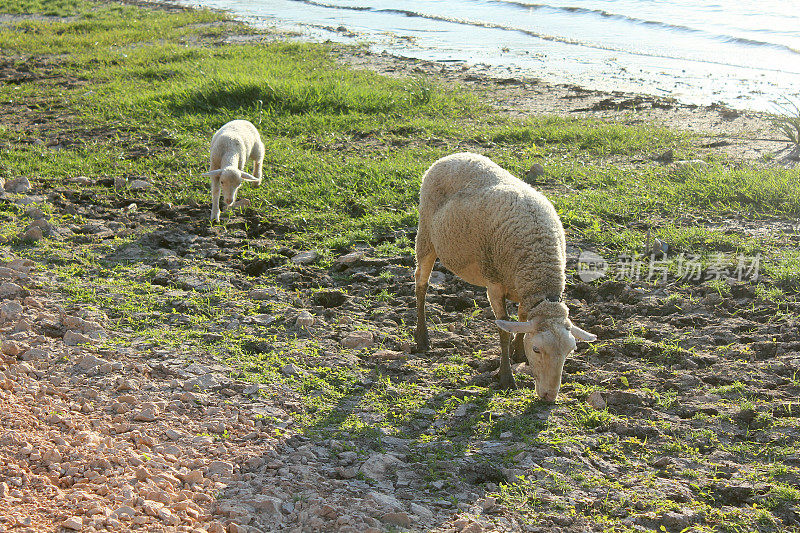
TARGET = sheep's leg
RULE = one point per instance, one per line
(215, 199)
(497, 300)
(421, 275)
(518, 347)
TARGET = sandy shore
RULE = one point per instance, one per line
(741, 135)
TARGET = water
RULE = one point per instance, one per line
(745, 54)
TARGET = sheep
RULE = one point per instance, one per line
(495, 231)
(232, 145)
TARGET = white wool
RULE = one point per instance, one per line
(494, 230)
(231, 147)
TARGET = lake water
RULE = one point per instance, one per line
(745, 54)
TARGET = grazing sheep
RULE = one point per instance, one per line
(232, 145)
(493, 230)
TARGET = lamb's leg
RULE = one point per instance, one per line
(258, 161)
(215, 199)
(497, 300)
(518, 347)
(421, 275)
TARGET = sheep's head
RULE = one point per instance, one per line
(230, 179)
(548, 342)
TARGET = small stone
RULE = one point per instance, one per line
(10, 310)
(596, 400)
(124, 511)
(202, 382)
(74, 523)
(142, 473)
(260, 320)
(347, 472)
(33, 234)
(691, 164)
(220, 468)
(472, 527)
(19, 185)
(34, 213)
(174, 435)
(397, 519)
(79, 180)
(120, 183)
(422, 512)
(356, 340)
(288, 277)
(269, 505)
(194, 476)
(385, 501)
(262, 294)
(148, 413)
(23, 325)
(536, 170)
(379, 465)
(389, 355)
(140, 185)
(461, 410)
(350, 258)
(126, 385)
(88, 363)
(291, 370)
(34, 354)
(12, 348)
(73, 338)
(679, 521)
(304, 319)
(215, 527)
(9, 290)
(305, 258)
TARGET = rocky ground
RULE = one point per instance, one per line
(134, 437)
(104, 427)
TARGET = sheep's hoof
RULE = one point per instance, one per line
(423, 344)
(506, 381)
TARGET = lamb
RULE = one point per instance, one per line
(232, 145)
(495, 231)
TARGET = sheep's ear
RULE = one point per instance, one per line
(212, 173)
(582, 335)
(516, 327)
(249, 177)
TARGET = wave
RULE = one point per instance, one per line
(530, 33)
(653, 23)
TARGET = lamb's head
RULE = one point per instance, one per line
(230, 179)
(548, 342)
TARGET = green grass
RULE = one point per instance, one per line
(333, 167)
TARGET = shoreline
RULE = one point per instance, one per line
(695, 79)
(742, 135)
